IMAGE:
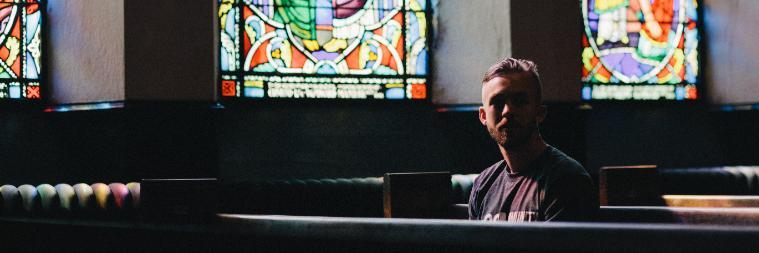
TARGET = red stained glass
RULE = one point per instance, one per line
(20, 49)
(325, 49)
(228, 88)
(33, 92)
(640, 50)
(418, 91)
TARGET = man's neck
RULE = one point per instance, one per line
(519, 158)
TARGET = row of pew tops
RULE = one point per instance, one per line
(727, 195)
(643, 189)
(405, 195)
(165, 199)
(653, 193)
(676, 195)
(67, 199)
(377, 214)
(648, 185)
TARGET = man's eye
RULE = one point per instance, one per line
(520, 100)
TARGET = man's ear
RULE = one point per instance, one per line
(542, 112)
(483, 116)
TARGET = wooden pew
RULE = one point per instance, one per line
(647, 185)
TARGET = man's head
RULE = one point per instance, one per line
(512, 102)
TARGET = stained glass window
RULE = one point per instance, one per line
(640, 49)
(324, 49)
(20, 49)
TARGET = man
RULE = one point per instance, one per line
(534, 181)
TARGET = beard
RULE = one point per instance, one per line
(513, 137)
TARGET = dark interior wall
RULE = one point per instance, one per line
(170, 50)
(254, 142)
(332, 140)
(549, 33)
(639, 134)
(170, 140)
(37, 147)
(299, 141)
(117, 145)
(240, 144)
(671, 136)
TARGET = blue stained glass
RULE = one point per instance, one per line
(395, 93)
(224, 60)
(421, 63)
(326, 69)
(334, 49)
(586, 93)
(413, 27)
(230, 29)
(254, 92)
(629, 57)
(691, 10)
(14, 91)
(266, 67)
(423, 4)
(324, 16)
(32, 29)
(21, 60)
(31, 68)
(679, 93)
(324, 4)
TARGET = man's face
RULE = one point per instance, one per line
(509, 109)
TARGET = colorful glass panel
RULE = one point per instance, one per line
(20, 49)
(640, 49)
(324, 49)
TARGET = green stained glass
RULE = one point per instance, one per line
(324, 49)
(21, 49)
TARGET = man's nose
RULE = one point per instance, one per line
(506, 110)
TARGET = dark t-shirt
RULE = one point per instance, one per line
(554, 187)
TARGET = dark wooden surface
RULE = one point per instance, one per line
(321, 234)
(417, 195)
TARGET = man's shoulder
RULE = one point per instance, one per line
(489, 172)
(561, 164)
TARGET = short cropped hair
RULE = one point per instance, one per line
(510, 65)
